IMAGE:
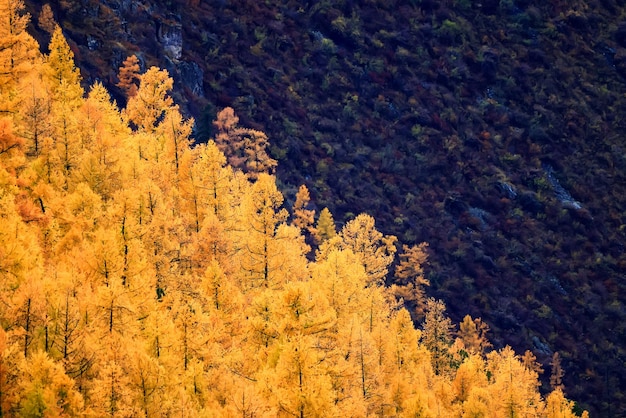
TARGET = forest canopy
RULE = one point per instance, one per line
(143, 274)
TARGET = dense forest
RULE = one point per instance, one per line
(491, 129)
(143, 275)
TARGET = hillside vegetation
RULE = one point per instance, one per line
(144, 276)
(491, 130)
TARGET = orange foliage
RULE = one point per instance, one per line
(129, 76)
(165, 282)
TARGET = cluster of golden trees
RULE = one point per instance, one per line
(143, 276)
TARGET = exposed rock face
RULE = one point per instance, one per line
(107, 32)
(170, 35)
(191, 77)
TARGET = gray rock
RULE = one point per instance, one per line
(170, 35)
(192, 76)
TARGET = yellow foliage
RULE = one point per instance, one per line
(143, 275)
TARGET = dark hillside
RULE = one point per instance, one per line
(493, 131)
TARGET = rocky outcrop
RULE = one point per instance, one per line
(170, 36)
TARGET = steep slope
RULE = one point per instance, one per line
(491, 131)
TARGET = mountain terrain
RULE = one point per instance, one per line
(491, 130)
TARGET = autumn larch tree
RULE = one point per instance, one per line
(129, 76)
(473, 334)
(148, 107)
(61, 73)
(325, 227)
(45, 19)
(374, 250)
(245, 149)
(45, 387)
(303, 217)
(437, 335)
(18, 51)
(62, 78)
(409, 280)
(263, 213)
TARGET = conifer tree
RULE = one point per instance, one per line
(46, 20)
(374, 250)
(325, 227)
(261, 263)
(34, 110)
(245, 149)
(175, 132)
(473, 334)
(513, 389)
(10, 362)
(409, 277)
(18, 51)
(556, 375)
(557, 406)
(129, 76)
(62, 76)
(437, 335)
(303, 218)
(45, 389)
(148, 107)
(112, 392)
(11, 147)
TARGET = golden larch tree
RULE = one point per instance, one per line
(374, 250)
(437, 335)
(409, 280)
(61, 74)
(473, 334)
(148, 107)
(45, 389)
(246, 149)
(18, 51)
(303, 217)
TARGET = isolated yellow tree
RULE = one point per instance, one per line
(557, 372)
(45, 19)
